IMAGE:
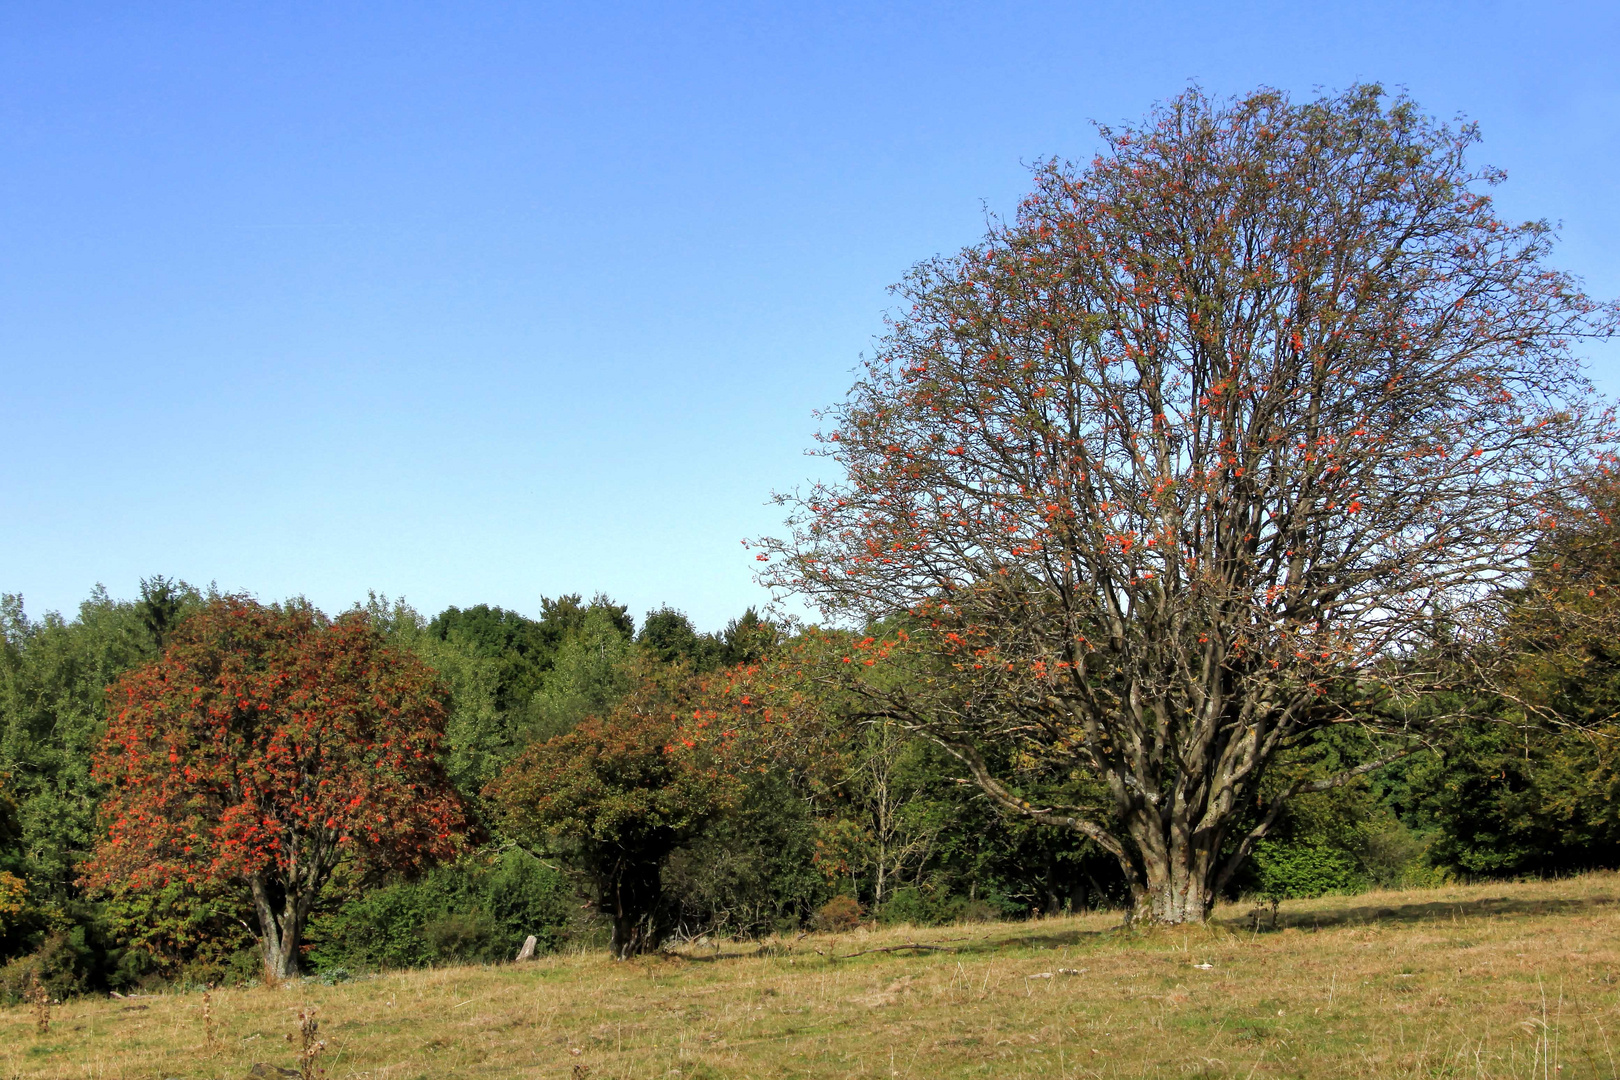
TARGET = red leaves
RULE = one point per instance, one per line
(267, 776)
(633, 781)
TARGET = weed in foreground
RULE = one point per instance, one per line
(40, 999)
(310, 1046)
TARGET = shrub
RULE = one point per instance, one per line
(930, 907)
(180, 932)
(839, 913)
(1298, 871)
(461, 935)
(909, 905)
(61, 965)
(1395, 857)
(975, 911)
(479, 909)
(924, 906)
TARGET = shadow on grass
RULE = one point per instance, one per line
(1426, 911)
(1037, 937)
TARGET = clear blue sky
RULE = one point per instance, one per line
(479, 302)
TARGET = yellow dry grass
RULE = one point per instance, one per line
(1469, 981)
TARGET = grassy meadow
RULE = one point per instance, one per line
(1489, 980)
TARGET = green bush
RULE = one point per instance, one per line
(924, 906)
(910, 904)
(1395, 857)
(1301, 870)
(468, 935)
(183, 933)
(478, 910)
(63, 965)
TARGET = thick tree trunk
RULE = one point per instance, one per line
(1173, 879)
(631, 900)
(1171, 895)
(280, 935)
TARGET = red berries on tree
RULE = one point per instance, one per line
(267, 747)
(1258, 404)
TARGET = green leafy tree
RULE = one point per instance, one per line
(892, 820)
(513, 679)
(590, 671)
(53, 679)
(474, 665)
(1509, 799)
(1536, 790)
(548, 673)
(566, 614)
(162, 604)
(670, 636)
(520, 649)
(748, 638)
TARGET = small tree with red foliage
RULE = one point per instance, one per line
(618, 794)
(267, 747)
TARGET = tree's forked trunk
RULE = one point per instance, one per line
(1175, 881)
(629, 936)
(280, 936)
(631, 900)
(1170, 899)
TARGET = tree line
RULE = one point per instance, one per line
(573, 820)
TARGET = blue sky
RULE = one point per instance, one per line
(481, 302)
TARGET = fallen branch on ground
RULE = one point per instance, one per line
(895, 948)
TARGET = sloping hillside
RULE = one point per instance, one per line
(1487, 980)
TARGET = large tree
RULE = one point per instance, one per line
(1233, 433)
(267, 746)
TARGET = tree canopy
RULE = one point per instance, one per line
(615, 796)
(1197, 455)
(264, 748)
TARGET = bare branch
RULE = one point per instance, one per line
(1259, 413)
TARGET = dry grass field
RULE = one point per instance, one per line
(1518, 980)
